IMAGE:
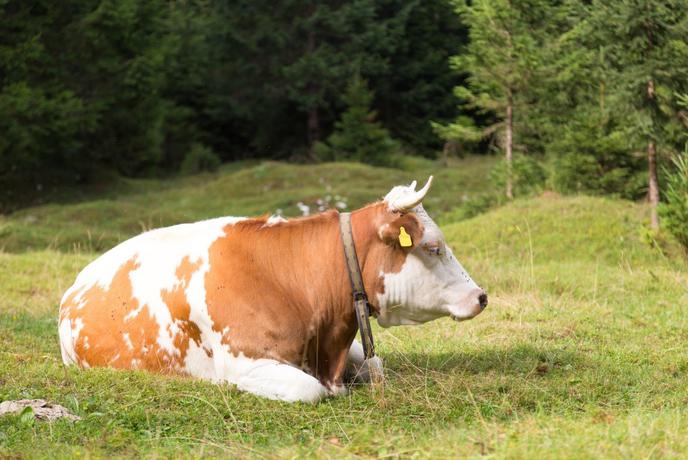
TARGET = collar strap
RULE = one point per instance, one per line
(360, 299)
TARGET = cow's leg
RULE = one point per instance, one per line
(274, 380)
(67, 342)
(358, 370)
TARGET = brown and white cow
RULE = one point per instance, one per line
(263, 303)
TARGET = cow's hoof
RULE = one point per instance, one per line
(337, 390)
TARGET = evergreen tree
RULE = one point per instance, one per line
(580, 127)
(648, 47)
(614, 94)
(417, 85)
(357, 136)
(81, 86)
(501, 61)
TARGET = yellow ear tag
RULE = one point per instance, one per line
(404, 238)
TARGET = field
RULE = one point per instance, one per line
(581, 353)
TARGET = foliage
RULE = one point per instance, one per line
(80, 86)
(284, 66)
(200, 158)
(612, 75)
(89, 86)
(674, 209)
(358, 136)
(499, 59)
(471, 207)
(502, 60)
(527, 173)
(418, 86)
(590, 157)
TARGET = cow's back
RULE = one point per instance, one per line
(142, 304)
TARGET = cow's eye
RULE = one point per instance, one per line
(434, 248)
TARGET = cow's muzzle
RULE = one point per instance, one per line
(482, 300)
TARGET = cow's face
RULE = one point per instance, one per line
(430, 282)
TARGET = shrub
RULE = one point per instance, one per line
(674, 208)
(470, 207)
(200, 158)
(527, 174)
(593, 157)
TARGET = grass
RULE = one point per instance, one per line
(581, 352)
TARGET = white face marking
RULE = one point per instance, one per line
(430, 284)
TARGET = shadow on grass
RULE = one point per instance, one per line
(521, 359)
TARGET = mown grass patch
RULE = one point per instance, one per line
(581, 353)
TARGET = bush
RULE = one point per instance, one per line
(674, 208)
(592, 157)
(527, 174)
(470, 207)
(200, 158)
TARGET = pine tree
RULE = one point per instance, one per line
(358, 136)
(647, 48)
(501, 62)
(417, 85)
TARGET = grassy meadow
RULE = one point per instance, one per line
(581, 353)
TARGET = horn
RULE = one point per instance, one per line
(411, 200)
(412, 185)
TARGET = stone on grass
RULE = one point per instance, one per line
(42, 409)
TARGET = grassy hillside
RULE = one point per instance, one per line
(581, 352)
(265, 188)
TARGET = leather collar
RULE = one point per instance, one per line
(360, 299)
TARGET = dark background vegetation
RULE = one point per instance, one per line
(579, 93)
(132, 86)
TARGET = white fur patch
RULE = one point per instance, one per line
(272, 220)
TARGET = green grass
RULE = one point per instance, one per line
(581, 352)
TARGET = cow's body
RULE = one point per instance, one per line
(261, 303)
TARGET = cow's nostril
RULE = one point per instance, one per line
(482, 298)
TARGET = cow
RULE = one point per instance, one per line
(264, 303)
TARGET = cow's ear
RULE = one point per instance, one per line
(405, 231)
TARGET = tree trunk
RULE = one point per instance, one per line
(508, 147)
(449, 148)
(653, 185)
(313, 130)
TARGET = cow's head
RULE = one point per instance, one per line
(426, 281)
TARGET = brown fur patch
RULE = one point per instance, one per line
(101, 341)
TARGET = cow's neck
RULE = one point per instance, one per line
(372, 253)
(321, 287)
